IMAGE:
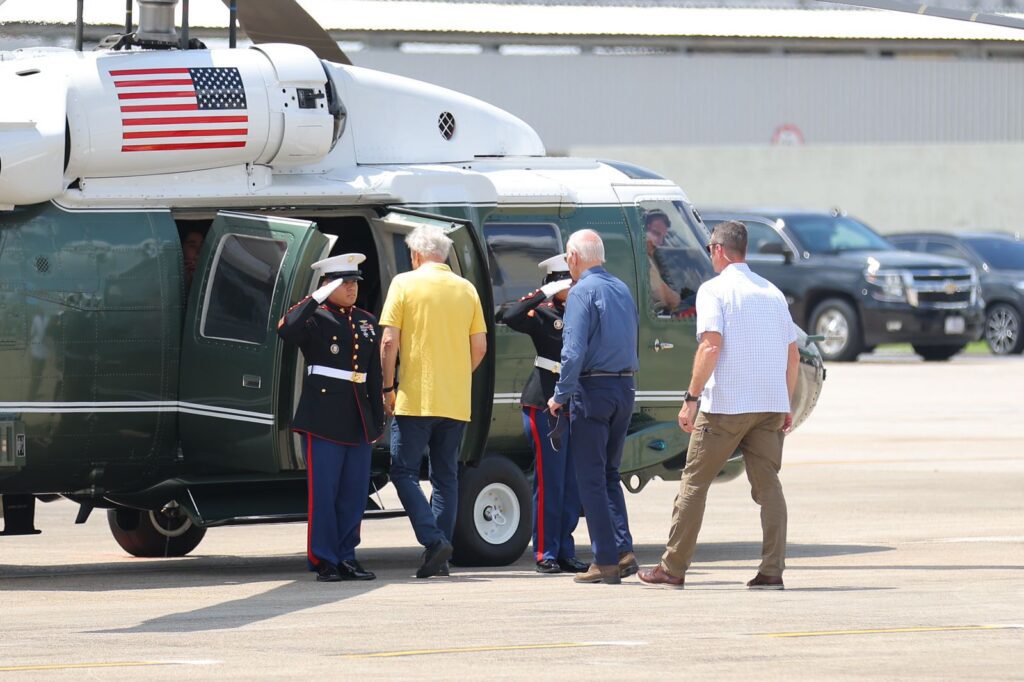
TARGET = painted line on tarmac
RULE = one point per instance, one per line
(109, 664)
(481, 649)
(887, 631)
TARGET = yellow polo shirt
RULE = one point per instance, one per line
(437, 311)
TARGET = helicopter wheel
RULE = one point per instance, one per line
(495, 517)
(167, 532)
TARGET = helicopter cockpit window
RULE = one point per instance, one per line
(513, 252)
(677, 262)
(238, 298)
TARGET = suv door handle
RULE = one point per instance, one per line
(659, 346)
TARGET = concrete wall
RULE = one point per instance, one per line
(892, 187)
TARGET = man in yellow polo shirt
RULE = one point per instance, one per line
(434, 317)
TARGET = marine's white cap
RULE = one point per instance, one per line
(554, 264)
(345, 266)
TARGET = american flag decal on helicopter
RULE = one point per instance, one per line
(173, 109)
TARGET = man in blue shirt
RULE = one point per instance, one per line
(598, 363)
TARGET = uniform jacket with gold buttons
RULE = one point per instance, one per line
(340, 338)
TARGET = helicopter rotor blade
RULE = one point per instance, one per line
(284, 21)
(932, 11)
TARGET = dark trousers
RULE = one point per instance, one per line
(599, 416)
(338, 483)
(410, 436)
(556, 496)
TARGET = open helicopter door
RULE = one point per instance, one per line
(468, 259)
(232, 415)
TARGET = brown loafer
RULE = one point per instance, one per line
(766, 582)
(658, 576)
(628, 565)
(609, 575)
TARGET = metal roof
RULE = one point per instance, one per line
(496, 18)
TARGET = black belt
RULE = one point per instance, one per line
(599, 373)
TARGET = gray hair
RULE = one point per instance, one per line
(732, 235)
(587, 245)
(429, 241)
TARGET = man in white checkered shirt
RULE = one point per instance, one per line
(744, 375)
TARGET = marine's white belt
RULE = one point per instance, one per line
(549, 365)
(354, 377)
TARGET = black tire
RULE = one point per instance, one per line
(834, 349)
(938, 353)
(1003, 330)
(154, 534)
(494, 489)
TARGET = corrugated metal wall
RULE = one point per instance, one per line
(735, 100)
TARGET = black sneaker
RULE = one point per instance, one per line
(434, 557)
(326, 572)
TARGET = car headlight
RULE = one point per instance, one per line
(890, 285)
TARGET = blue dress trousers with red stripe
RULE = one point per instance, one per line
(338, 420)
(556, 498)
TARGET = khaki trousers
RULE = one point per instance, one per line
(715, 437)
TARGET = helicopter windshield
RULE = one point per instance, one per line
(677, 261)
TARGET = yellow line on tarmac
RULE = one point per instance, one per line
(75, 666)
(882, 631)
(478, 649)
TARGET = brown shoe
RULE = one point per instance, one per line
(658, 576)
(766, 582)
(628, 565)
(609, 575)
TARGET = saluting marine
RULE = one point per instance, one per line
(556, 498)
(340, 412)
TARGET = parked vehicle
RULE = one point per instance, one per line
(999, 260)
(845, 282)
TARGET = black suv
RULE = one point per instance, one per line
(845, 282)
(999, 259)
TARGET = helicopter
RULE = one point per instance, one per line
(160, 207)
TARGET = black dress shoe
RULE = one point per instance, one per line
(444, 571)
(352, 570)
(434, 557)
(326, 572)
(549, 566)
(573, 565)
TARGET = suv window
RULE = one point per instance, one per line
(1001, 253)
(834, 234)
(237, 306)
(759, 236)
(514, 250)
(676, 260)
(942, 247)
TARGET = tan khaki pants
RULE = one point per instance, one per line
(715, 437)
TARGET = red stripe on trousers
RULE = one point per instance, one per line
(309, 509)
(538, 452)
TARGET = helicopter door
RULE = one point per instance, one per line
(232, 416)
(468, 259)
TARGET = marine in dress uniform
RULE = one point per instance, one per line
(340, 413)
(556, 497)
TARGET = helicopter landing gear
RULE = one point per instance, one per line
(495, 517)
(166, 532)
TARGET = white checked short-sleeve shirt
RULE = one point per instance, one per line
(752, 316)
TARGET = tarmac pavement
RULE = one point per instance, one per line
(906, 561)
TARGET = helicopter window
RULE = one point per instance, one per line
(677, 262)
(241, 288)
(513, 252)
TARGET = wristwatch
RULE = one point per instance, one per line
(689, 397)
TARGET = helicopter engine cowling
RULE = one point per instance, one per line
(145, 113)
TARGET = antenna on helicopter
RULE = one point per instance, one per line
(933, 11)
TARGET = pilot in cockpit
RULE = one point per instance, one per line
(657, 227)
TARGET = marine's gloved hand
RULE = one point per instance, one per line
(552, 288)
(324, 292)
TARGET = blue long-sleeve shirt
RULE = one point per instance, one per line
(600, 330)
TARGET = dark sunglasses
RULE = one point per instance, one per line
(711, 245)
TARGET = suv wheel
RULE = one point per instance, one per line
(836, 320)
(1002, 330)
(938, 353)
